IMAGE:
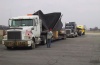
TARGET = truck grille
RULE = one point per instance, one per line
(67, 31)
(16, 35)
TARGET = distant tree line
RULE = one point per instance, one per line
(94, 29)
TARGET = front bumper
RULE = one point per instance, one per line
(18, 43)
(70, 35)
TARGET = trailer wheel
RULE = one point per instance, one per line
(44, 40)
(64, 37)
(80, 34)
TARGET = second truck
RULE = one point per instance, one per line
(71, 29)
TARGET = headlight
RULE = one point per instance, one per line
(5, 37)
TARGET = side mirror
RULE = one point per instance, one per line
(9, 22)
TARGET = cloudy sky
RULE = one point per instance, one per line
(86, 12)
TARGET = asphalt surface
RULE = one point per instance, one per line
(84, 50)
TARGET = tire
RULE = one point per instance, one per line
(64, 37)
(44, 41)
(84, 33)
(73, 36)
(76, 36)
(9, 48)
(32, 46)
(80, 34)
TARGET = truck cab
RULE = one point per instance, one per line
(71, 30)
(22, 32)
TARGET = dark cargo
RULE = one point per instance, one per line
(51, 20)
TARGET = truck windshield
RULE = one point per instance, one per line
(22, 22)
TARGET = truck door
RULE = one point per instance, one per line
(36, 28)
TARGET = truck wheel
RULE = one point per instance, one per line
(9, 48)
(32, 45)
(44, 41)
(73, 36)
(76, 35)
(80, 34)
(84, 33)
(64, 37)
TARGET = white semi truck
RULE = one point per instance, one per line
(27, 31)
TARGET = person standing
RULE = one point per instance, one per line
(49, 37)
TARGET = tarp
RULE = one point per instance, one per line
(50, 20)
(42, 17)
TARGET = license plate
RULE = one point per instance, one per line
(21, 43)
(16, 43)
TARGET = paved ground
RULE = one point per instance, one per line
(83, 50)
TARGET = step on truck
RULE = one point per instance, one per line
(30, 30)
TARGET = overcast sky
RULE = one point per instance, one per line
(86, 12)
